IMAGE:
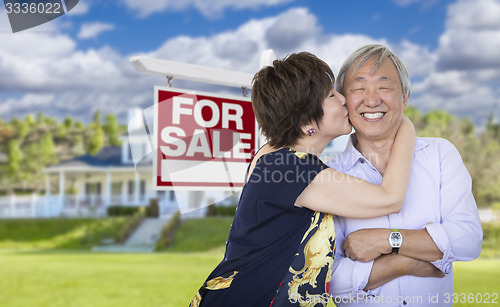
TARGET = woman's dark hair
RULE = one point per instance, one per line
(289, 95)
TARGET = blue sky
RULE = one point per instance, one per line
(78, 63)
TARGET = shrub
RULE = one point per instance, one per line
(153, 210)
(58, 233)
(168, 232)
(131, 225)
(491, 239)
(122, 210)
(221, 210)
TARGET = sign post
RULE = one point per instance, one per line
(202, 142)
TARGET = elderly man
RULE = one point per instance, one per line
(403, 259)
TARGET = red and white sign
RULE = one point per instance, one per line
(203, 140)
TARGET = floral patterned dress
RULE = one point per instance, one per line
(277, 254)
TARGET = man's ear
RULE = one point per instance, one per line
(405, 102)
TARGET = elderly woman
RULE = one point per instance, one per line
(280, 247)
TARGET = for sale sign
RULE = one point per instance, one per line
(203, 141)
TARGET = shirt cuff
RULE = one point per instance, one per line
(360, 277)
(440, 238)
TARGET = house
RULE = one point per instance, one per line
(88, 185)
(120, 175)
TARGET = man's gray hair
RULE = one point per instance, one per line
(378, 53)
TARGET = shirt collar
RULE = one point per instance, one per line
(351, 155)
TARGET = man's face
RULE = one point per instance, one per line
(375, 101)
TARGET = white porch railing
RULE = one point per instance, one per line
(36, 206)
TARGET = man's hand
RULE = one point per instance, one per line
(365, 245)
(388, 267)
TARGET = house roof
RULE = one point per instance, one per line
(108, 156)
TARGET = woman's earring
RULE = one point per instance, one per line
(311, 131)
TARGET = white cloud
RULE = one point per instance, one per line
(425, 3)
(291, 29)
(472, 36)
(461, 75)
(208, 8)
(77, 82)
(94, 29)
(82, 8)
(419, 60)
(474, 15)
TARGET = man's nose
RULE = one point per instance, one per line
(372, 98)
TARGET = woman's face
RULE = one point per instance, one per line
(335, 121)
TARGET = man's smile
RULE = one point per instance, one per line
(373, 115)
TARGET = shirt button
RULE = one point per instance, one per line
(362, 161)
(404, 303)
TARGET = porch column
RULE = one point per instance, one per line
(47, 185)
(137, 188)
(108, 189)
(62, 188)
(47, 197)
(123, 192)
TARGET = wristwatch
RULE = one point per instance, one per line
(395, 240)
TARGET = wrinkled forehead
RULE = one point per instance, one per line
(370, 66)
(374, 61)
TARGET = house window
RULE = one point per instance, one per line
(128, 157)
(131, 186)
(172, 195)
(116, 188)
(93, 188)
(143, 188)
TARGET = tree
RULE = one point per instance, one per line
(79, 125)
(30, 120)
(97, 118)
(77, 145)
(96, 140)
(415, 116)
(15, 156)
(21, 127)
(47, 149)
(112, 130)
(31, 165)
(68, 122)
(492, 129)
(40, 117)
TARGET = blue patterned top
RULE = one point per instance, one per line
(277, 254)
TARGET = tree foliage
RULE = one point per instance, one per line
(479, 150)
(112, 129)
(95, 139)
(14, 156)
(30, 144)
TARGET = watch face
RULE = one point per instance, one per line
(396, 239)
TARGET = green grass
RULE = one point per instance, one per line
(58, 233)
(201, 235)
(479, 276)
(85, 279)
(66, 279)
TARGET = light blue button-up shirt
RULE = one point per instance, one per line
(439, 199)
